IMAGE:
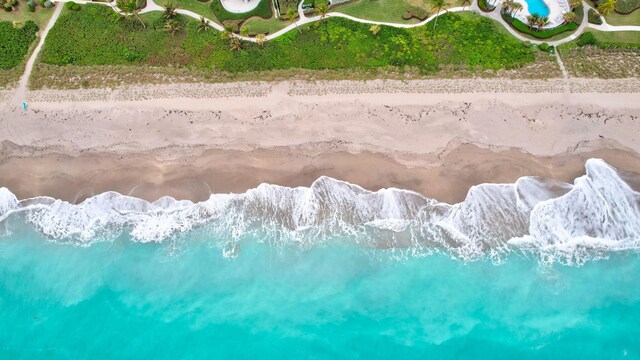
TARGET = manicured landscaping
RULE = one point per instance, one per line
(22, 14)
(623, 19)
(627, 6)
(467, 41)
(198, 7)
(617, 38)
(542, 34)
(261, 26)
(383, 10)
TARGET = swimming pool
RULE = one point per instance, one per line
(538, 7)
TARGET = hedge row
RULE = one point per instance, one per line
(543, 34)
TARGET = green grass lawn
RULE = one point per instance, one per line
(623, 37)
(41, 16)
(627, 19)
(386, 10)
(468, 42)
(196, 6)
(382, 10)
(261, 26)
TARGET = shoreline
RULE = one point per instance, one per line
(445, 177)
(425, 136)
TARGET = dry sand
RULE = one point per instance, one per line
(187, 141)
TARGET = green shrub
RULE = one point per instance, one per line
(263, 10)
(14, 43)
(416, 12)
(72, 6)
(544, 47)
(627, 6)
(594, 17)
(587, 39)
(484, 6)
(543, 34)
(48, 4)
(467, 42)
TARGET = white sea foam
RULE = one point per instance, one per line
(556, 221)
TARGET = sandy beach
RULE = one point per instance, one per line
(437, 137)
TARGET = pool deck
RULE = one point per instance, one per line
(556, 9)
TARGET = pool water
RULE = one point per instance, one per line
(538, 7)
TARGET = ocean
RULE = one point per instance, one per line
(536, 269)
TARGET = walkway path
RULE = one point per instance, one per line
(20, 94)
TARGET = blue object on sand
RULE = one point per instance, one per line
(24, 106)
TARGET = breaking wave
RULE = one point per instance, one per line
(551, 220)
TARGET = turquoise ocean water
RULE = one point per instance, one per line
(77, 284)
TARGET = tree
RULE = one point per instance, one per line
(568, 17)
(170, 10)
(203, 24)
(136, 14)
(227, 32)
(606, 7)
(515, 8)
(172, 26)
(574, 3)
(542, 22)
(260, 39)
(375, 29)
(322, 8)
(507, 6)
(244, 31)
(290, 15)
(533, 20)
(235, 43)
(437, 7)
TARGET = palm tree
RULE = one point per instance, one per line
(542, 22)
(322, 9)
(172, 27)
(260, 39)
(203, 24)
(607, 7)
(438, 6)
(533, 20)
(574, 3)
(465, 3)
(136, 14)
(290, 15)
(170, 10)
(244, 31)
(227, 32)
(375, 29)
(515, 8)
(569, 17)
(235, 43)
(507, 6)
